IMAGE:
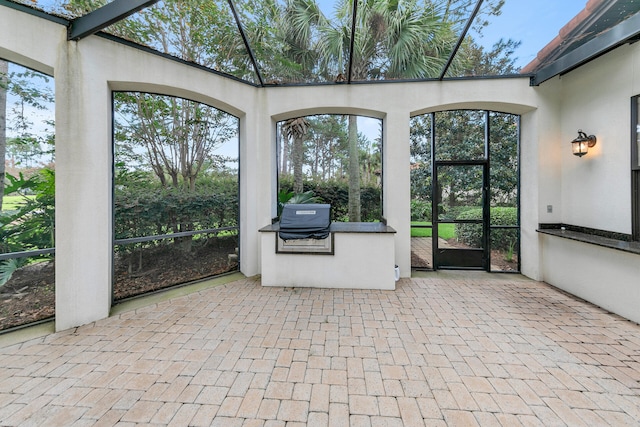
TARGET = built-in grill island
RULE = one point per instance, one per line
(305, 249)
(304, 228)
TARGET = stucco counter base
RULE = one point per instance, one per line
(363, 258)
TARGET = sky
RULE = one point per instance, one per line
(534, 23)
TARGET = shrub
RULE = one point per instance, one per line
(336, 193)
(501, 238)
(420, 210)
(140, 212)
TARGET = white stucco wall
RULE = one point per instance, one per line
(87, 71)
(596, 98)
(370, 263)
(606, 277)
(592, 191)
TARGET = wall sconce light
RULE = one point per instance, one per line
(582, 143)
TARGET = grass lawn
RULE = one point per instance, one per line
(447, 231)
(10, 203)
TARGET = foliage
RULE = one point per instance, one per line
(327, 154)
(480, 62)
(30, 91)
(503, 147)
(31, 225)
(174, 137)
(148, 211)
(501, 238)
(168, 176)
(296, 129)
(392, 40)
(192, 30)
(420, 210)
(459, 135)
(8, 267)
(285, 197)
(336, 193)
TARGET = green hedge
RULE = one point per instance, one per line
(336, 194)
(501, 239)
(144, 212)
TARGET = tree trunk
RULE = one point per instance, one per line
(4, 72)
(284, 142)
(298, 157)
(354, 171)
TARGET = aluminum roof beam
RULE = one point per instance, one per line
(352, 42)
(460, 39)
(245, 40)
(101, 18)
(625, 32)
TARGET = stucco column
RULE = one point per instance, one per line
(396, 185)
(257, 181)
(540, 177)
(83, 187)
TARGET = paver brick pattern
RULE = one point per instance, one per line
(478, 350)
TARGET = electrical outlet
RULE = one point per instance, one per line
(549, 208)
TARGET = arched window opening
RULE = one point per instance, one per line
(175, 192)
(465, 190)
(27, 180)
(333, 159)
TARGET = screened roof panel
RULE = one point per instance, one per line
(285, 53)
(279, 42)
(596, 19)
(203, 32)
(66, 9)
(406, 40)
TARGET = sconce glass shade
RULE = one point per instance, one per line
(580, 146)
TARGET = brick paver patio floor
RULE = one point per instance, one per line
(488, 350)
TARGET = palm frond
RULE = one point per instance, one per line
(7, 268)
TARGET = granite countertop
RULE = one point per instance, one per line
(581, 236)
(345, 227)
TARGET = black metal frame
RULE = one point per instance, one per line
(104, 16)
(143, 239)
(627, 31)
(463, 34)
(446, 256)
(635, 169)
(27, 254)
(456, 258)
(245, 40)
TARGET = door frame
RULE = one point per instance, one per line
(461, 258)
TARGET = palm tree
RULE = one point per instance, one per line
(393, 40)
(296, 129)
(4, 72)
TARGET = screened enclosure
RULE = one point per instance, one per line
(175, 192)
(308, 41)
(333, 159)
(27, 218)
(465, 191)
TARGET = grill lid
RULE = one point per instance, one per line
(305, 221)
